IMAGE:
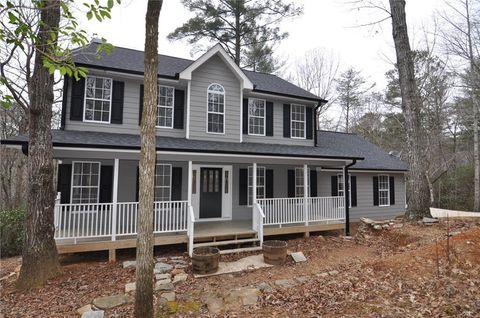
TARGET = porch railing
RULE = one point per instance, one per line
(279, 211)
(257, 221)
(75, 221)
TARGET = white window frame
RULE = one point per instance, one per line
(298, 121)
(72, 186)
(340, 181)
(155, 186)
(165, 106)
(250, 185)
(384, 190)
(95, 99)
(254, 116)
(216, 113)
(300, 186)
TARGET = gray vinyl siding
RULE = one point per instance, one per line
(214, 71)
(277, 137)
(131, 104)
(365, 207)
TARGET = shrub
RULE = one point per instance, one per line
(11, 232)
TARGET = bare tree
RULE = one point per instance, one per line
(144, 291)
(461, 37)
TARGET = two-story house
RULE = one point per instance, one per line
(238, 157)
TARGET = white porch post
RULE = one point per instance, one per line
(189, 188)
(305, 192)
(115, 198)
(254, 183)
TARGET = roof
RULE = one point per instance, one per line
(374, 157)
(90, 139)
(131, 61)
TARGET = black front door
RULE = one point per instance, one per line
(211, 193)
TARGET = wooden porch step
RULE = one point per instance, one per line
(229, 242)
(239, 250)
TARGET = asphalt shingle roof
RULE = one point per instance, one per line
(129, 60)
(374, 157)
(74, 138)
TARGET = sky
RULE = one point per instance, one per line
(329, 24)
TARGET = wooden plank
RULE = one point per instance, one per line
(302, 229)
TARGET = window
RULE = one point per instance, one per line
(383, 190)
(297, 121)
(163, 182)
(165, 102)
(98, 99)
(260, 184)
(215, 109)
(256, 116)
(299, 182)
(340, 187)
(85, 182)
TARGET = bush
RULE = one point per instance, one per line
(11, 232)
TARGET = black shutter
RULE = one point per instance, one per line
(243, 187)
(269, 119)
(179, 109)
(286, 120)
(64, 181)
(63, 117)
(308, 122)
(353, 189)
(392, 190)
(269, 183)
(176, 183)
(245, 116)
(313, 183)
(76, 103)
(106, 184)
(291, 183)
(375, 191)
(117, 102)
(334, 185)
(140, 105)
(137, 184)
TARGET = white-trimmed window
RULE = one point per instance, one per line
(297, 121)
(165, 102)
(216, 109)
(163, 182)
(85, 182)
(260, 184)
(299, 182)
(341, 188)
(256, 116)
(383, 190)
(98, 99)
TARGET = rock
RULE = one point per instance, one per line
(93, 314)
(178, 261)
(322, 275)
(180, 278)
(169, 296)
(348, 238)
(321, 238)
(83, 309)
(333, 273)
(245, 296)
(163, 276)
(127, 264)
(162, 259)
(108, 302)
(214, 304)
(179, 266)
(377, 227)
(163, 286)
(176, 258)
(177, 271)
(367, 220)
(266, 288)
(130, 287)
(164, 281)
(429, 221)
(397, 225)
(302, 279)
(285, 283)
(161, 268)
(298, 257)
(454, 233)
(386, 226)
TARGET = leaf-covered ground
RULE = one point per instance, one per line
(394, 273)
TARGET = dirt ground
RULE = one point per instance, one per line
(395, 273)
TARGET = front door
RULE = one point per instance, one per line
(211, 186)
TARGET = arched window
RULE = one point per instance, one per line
(215, 109)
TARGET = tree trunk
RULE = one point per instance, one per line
(144, 273)
(237, 34)
(418, 198)
(40, 258)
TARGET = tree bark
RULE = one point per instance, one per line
(237, 34)
(144, 273)
(418, 196)
(40, 258)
